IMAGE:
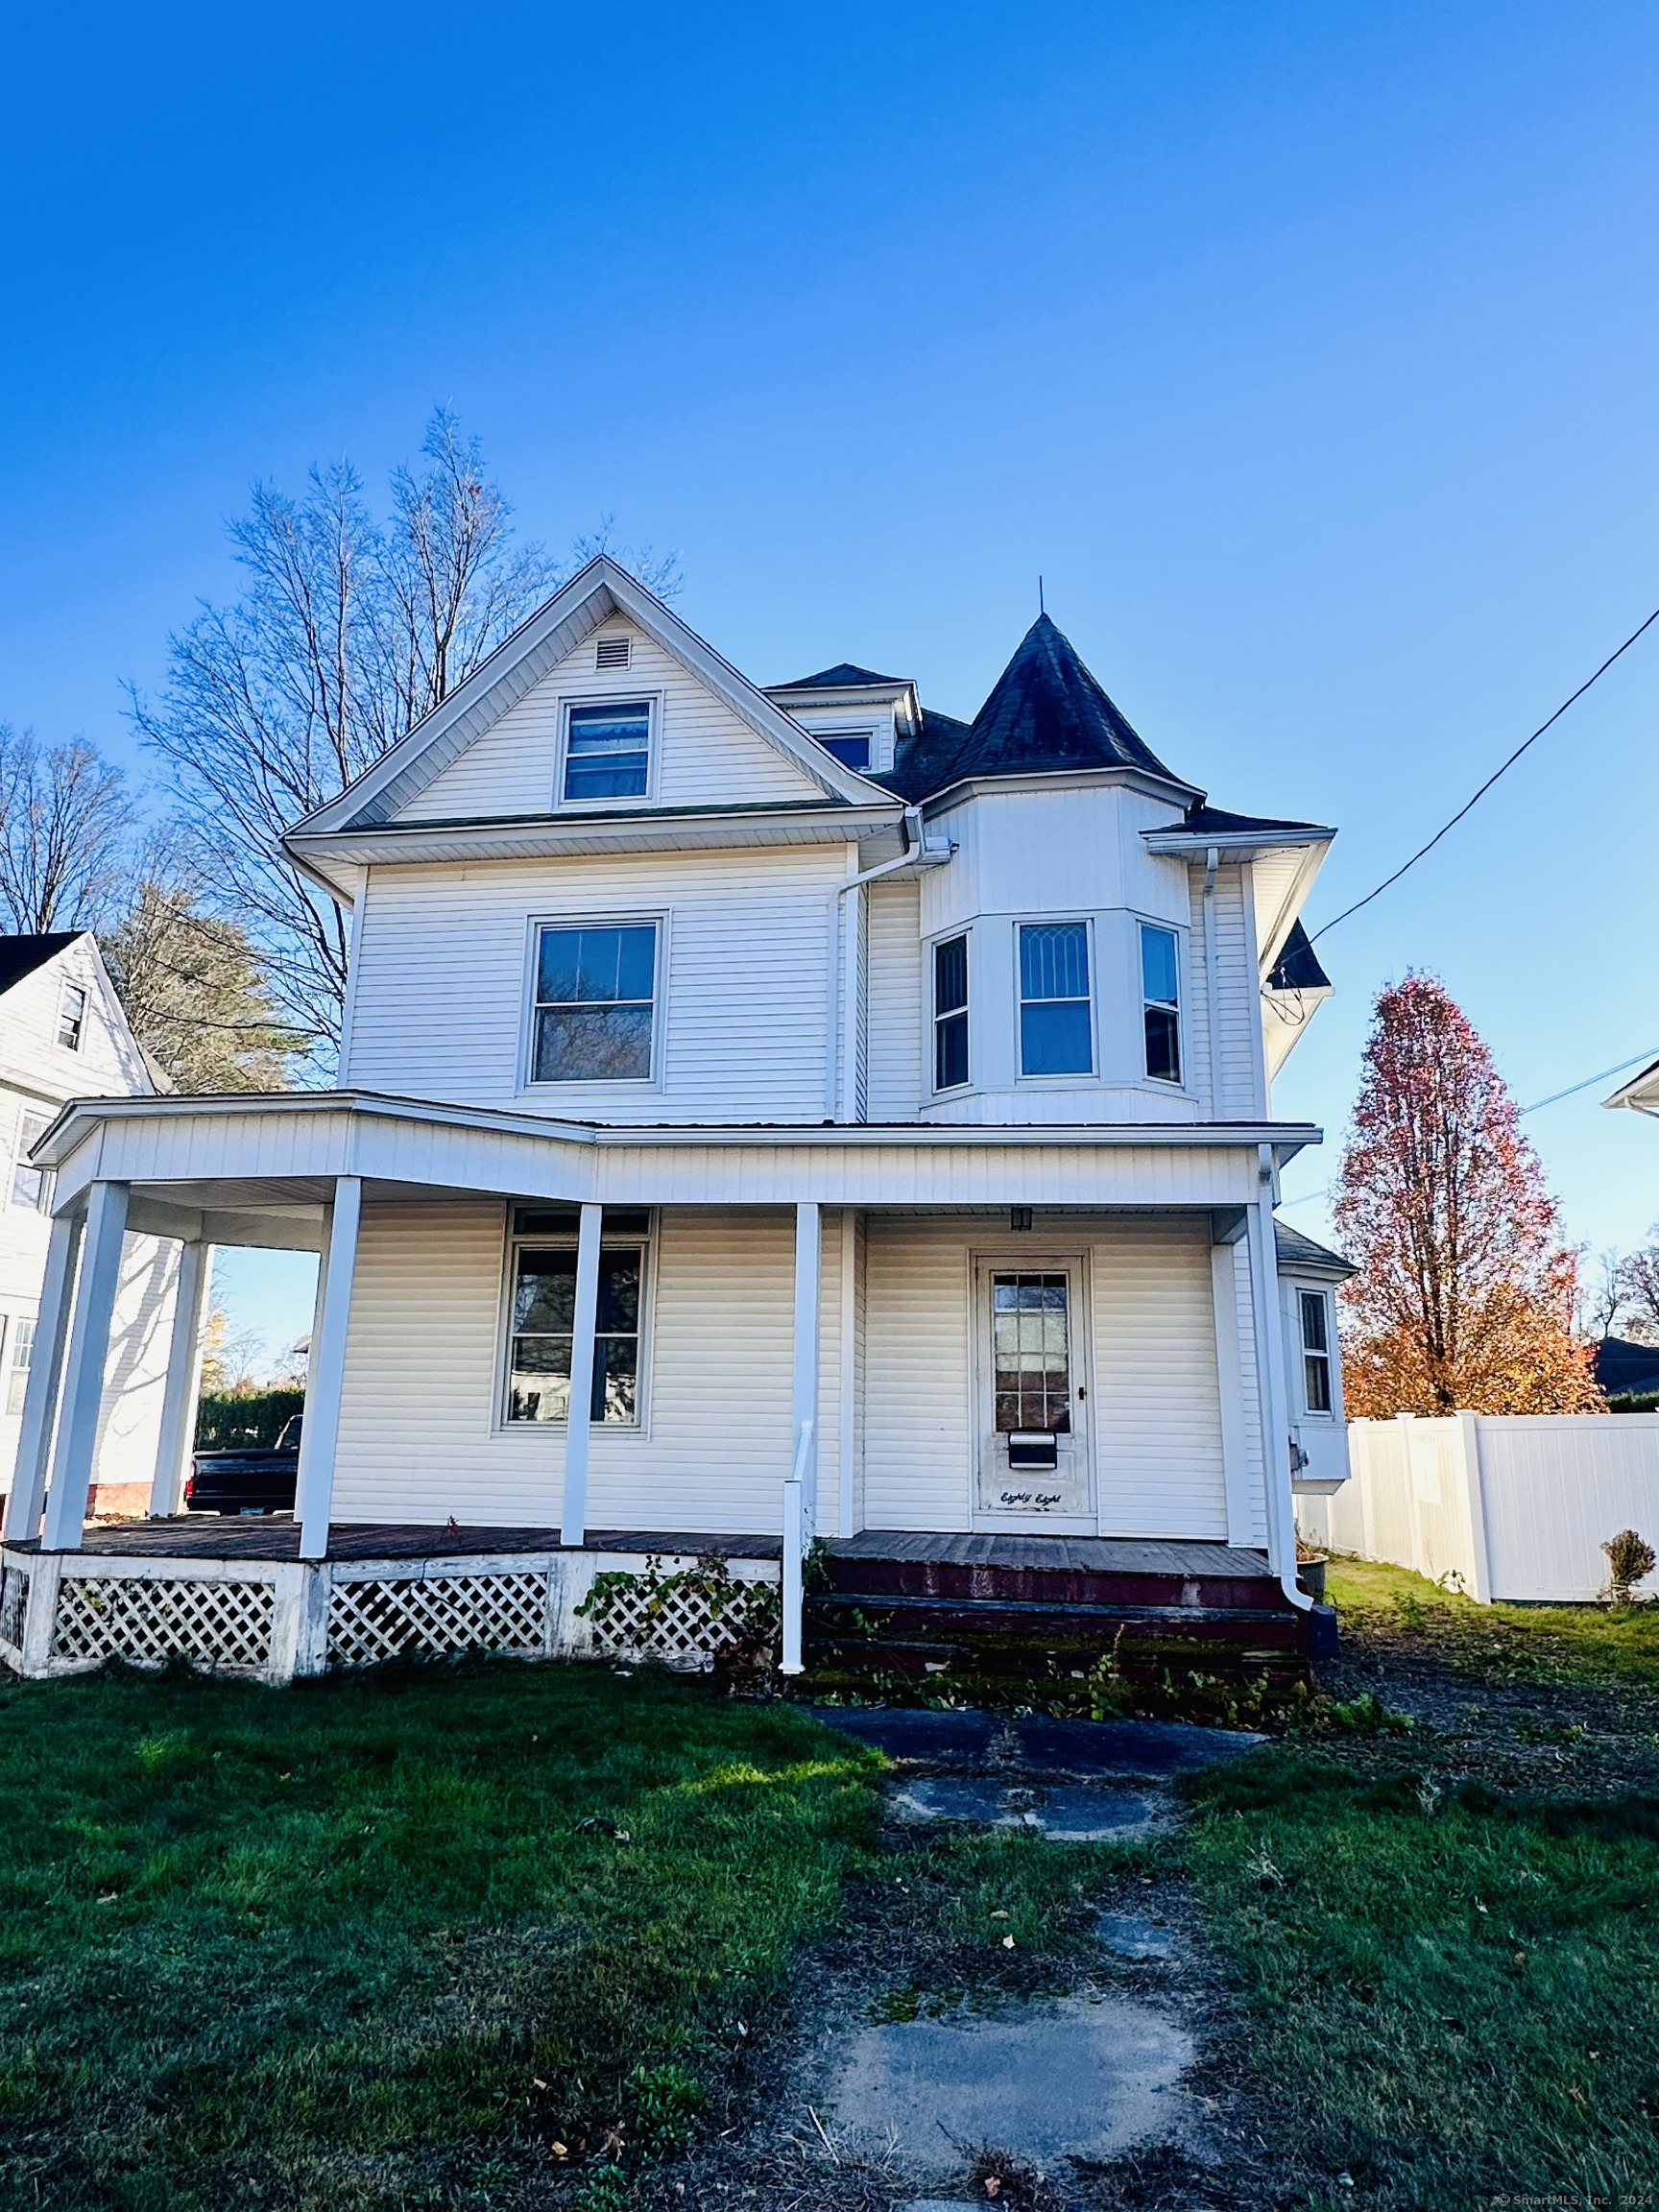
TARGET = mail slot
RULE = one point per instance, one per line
(1033, 1448)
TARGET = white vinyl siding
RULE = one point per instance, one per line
(1157, 1409)
(895, 1000)
(443, 981)
(706, 755)
(918, 1395)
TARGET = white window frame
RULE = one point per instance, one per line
(648, 1239)
(621, 695)
(540, 1087)
(17, 1372)
(1160, 1083)
(1091, 1073)
(931, 1002)
(81, 991)
(1313, 1413)
(20, 1164)
(864, 730)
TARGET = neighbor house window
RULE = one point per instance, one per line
(72, 1017)
(30, 1185)
(1054, 1037)
(852, 748)
(595, 992)
(1315, 1350)
(544, 1315)
(1161, 992)
(17, 1373)
(608, 750)
(951, 1014)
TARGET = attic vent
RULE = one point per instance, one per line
(613, 652)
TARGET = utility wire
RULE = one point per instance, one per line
(1554, 1100)
(1447, 828)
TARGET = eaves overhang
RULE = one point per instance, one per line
(1179, 842)
(966, 787)
(896, 695)
(1641, 1094)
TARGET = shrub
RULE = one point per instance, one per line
(1628, 1559)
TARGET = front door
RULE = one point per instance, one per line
(1032, 1395)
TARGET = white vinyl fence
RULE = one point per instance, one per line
(1515, 1507)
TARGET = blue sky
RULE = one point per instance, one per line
(1308, 352)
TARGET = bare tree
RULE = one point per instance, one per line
(66, 822)
(1603, 1296)
(1639, 1288)
(348, 631)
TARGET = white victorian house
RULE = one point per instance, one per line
(764, 1114)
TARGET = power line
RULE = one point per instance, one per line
(1445, 827)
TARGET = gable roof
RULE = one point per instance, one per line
(1301, 1254)
(1046, 713)
(1297, 967)
(597, 591)
(20, 956)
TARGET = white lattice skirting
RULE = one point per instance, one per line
(214, 1624)
(61, 1613)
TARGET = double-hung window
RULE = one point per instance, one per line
(544, 1315)
(17, 1374)
(951, 1014)
(30, 1187)
(1315, 1350)
(596, 1004)
(1054, 1024)
(71, 1017)
(608, 750)
(1161, 1002)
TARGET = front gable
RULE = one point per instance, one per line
(722, 741)
(702, 754)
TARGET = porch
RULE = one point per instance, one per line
(812, 1346)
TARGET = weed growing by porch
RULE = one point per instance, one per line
(365, 1943)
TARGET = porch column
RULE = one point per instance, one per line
(320, 1432)
(801, 1490)
(183, 1379)
(579, 1420)
(84, 1375)
(45, 1375)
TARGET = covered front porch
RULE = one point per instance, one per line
(828, 1340)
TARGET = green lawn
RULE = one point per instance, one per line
(349, 1945)
(1616, 1647)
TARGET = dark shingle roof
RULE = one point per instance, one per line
(20, 956)
(1297, 967)
(1621, 1365)
(844, 673)
(1046, 713)
(1218, 819)
(1298, 1251)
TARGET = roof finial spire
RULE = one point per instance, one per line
(1040, 609)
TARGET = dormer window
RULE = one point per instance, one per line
(608, 750)
(851, 747)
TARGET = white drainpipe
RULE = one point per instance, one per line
(917, 854)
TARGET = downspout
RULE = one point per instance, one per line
(1213, 981)
(916, 854)
(1270, 1373)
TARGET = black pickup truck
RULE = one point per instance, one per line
(260, 1481)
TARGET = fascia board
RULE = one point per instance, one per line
(958, 794)
(1237, 844)
(1641, 1093)
(831, 697)
(1274, 919)
(574, 612)
(544, 836)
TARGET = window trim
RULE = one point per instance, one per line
(641, 1426)
(828, 738)
(1085, 923)
(74, 1044)
(1311, 1412)
(533, 1085)
(15, 1371)
(21, 1143)
(625, 695)
(1170, 929)
(965, 1012)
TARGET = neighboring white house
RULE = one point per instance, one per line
(762, 1108)
(62, 1034)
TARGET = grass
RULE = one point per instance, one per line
(372, 1943)
(1449, 1997)
(1613, 1647)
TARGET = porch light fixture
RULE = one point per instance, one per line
(1019, 1218)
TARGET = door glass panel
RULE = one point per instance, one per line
(1031, 1351)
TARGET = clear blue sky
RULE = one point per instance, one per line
(1307, 350)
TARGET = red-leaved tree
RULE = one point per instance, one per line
(1465, 1294)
